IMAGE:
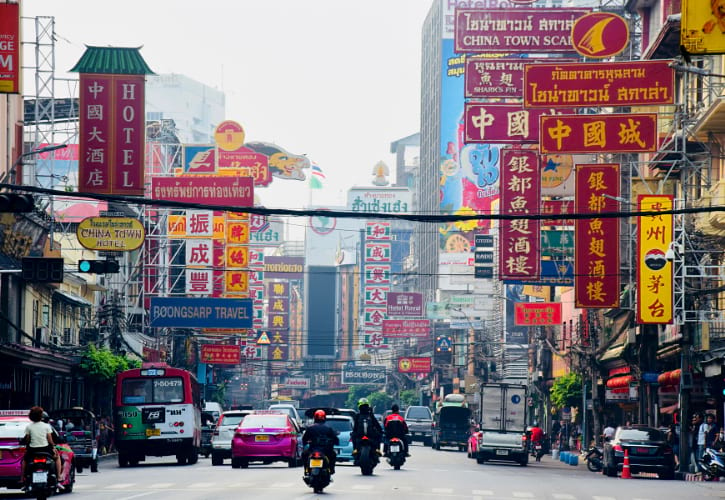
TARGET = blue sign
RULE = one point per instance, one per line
(187, 312)
(553, 273)
(443, 344)
(515, 399)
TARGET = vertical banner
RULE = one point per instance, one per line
(654, 272)
(596, 265)
(129, 125)
(520, 239)
(10, 48)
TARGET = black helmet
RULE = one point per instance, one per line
(395, 409)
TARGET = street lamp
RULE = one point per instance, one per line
(45, 149)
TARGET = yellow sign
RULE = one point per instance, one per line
(237, 256)
(654, 271)
(539, 291)
(229, 135)
(703, 26)
(236, 282)
(111, 234)
(237, 232)
(263, 338)
(176, 227)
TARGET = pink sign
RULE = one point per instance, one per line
(129, 135)
(515, 30)
(624, 133)
(210, 190)
(497, 77)
(402, 328)
(520, 239)
(244, 158)
(405, 304)
(501, 123)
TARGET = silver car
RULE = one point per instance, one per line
(221, 441)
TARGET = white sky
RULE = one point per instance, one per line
(337, 80)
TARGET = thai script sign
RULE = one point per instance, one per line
(246, 162)
(537, 313)
(519, 243)
(403, 328)
(501, 123)
(220, 354)
(297, 383)
(625, 133)
(117, 234)
(702, 27)
(600, 34)
(372, 375)
(599, 84)
(405, 304)
(181, 312)
(654, 271)
(210, 190)
(414, 365)
(515, 30)
(596, 273)
(111, 134)
(10, 67)
(381, 200)
(288, 268)
(497, 77)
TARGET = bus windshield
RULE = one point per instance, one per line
(152, 390)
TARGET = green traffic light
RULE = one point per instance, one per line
(84, 266)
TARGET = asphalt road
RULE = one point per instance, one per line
(444, 474)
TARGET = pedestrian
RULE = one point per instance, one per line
(608, 432)
(713, 431)
(701, 433)
(693, 430)
(673, 439)
(555, 429)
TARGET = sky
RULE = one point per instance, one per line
(336, 80)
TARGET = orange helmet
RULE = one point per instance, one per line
(320, 416)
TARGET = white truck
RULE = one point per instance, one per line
(502, 433)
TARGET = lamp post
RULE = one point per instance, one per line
(46, 149)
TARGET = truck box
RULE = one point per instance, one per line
(503, 424)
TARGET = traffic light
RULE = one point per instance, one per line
(16, 203)
(98, 266)
(42, 270)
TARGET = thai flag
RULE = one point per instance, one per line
(316, 170)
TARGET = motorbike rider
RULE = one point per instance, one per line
(39, 439)
(320, 435)
(536, 436)
(395, 426)
(374, 431)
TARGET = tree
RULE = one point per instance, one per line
(101, 365)
(408, 397)
(380, 401)
(566, 391)
(357, 392)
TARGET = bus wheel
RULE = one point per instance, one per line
(122, 460)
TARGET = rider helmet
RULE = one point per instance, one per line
(320, 416)
(395, 409)
(363, 402)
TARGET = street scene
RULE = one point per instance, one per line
(393, 248)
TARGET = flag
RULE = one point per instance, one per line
(316, 177)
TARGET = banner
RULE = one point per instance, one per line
(537, 313)
(501, 123)
(654, 271)
(403, 328)
(10, 48)
(596, 273)
(414, 365)
(405, 304)
(626, 133)
(209, 190)
(220, 354)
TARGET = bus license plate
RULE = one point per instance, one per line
(394, 448)
(40, 477)
(315, 462)
(502, 452)
(153, 432)
(261, 437)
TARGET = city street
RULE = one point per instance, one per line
(428, 474)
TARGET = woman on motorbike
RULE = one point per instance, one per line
(39, 439)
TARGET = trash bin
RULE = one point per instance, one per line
(555, 454)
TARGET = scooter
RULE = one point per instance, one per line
(594, 458)
(40, 476)
(318, 471)
(396, 453)
(367, 456)
(712, 464)
(537, 450)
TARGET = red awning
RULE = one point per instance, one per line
(670, 378)
(619, 382)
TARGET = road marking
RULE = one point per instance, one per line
(523, 494)
(402, 488)
(563, 496)
(137, 495)
(362, 487)
(603, 498)
(483, 492)
(161, 485)
(240, 485)
(119, 486)
(442, 491)
(201, 485)
(282, 485)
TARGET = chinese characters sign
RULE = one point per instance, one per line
(625, 133)
(405, 304)
(537, 313)
(596, 273)
(520, 194)
(654, 271)
(599, 84)
(501, 123)
(402, 328)
(112, 132)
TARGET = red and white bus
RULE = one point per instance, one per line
(157, 412)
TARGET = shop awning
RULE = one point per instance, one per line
(71, 297)
(620, 382)
(669, 410)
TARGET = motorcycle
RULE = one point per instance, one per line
(712, 464)
(594, 458)
(318, 471)
(40, 476)
(396, 453)
(367, 456)
(537, 450)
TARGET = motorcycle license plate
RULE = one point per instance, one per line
(502, 452)
(395, 448)
(261, 438)
(537, 447)
(316, 462)
(40, 477)
(153, 432)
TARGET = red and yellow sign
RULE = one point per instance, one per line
(537, 313)
(654, 271)
(176, 227)
(237, 232)
(600, 34)
(220, 354)
(703, 26)
(229, 135)
(10, 49)
(236, 282)
(414, 365)
(596, 265)
(625, 133)
(237, 256)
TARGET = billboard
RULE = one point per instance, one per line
(624, 133)
(286, 268)
(182, 312)
(220, 354)
(405, 304)
(654, 271)
(209, 190)
(702, 27)
(364, 375)
(114, 234)
(10, 48)
(414, 365)
(537, 313)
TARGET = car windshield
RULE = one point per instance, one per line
(157, 390)
(340, 425)
(420, 413)
(641, 435)
(231, 419)
(269, 421)
(12, 429)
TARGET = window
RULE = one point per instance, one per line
(419, 412)
(266, 421)
(152, 391)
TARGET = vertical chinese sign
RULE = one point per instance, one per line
(377, 282)
(520, 194)
(278, 320)
(596, 264)
(112, 121)
(10, 67)
(654, 272)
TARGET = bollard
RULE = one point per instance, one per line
(564, 456)
(573, 459)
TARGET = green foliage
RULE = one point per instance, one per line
(566, 391)
(357, 392)
(101, 365)
(408, 397)
(380, 401)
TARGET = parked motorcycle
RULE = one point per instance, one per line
(318, 471)
(367, 456)
(396, 453)
(41, 476)
(712, 464)
(594, 458)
